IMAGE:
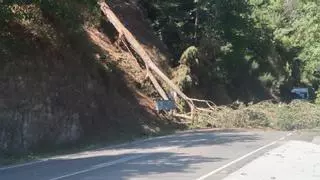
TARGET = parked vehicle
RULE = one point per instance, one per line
(302, 93)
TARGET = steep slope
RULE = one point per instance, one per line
(60, 85)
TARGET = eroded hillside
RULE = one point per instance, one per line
(64, 78)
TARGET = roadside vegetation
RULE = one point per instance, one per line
(296, 115)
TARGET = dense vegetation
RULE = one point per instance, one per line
(249, 46)
(256, 49)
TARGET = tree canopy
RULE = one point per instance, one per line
(243, 43)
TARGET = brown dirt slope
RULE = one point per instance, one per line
(60, 88)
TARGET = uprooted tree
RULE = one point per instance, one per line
(129, 40)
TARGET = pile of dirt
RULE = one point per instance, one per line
(57, 88)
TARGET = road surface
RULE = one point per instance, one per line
(199, 155)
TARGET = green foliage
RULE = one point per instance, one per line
(5, 14)
(173, 20)
(241, 41)
(317, 100)
(290, 117)
(190, 56)
(296, 24)
(263, 115)
(70, 13)
(73, 14)
(267, 80)
(183, 78)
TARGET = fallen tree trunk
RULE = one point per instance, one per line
(150, 75)
(132, 42)
(157, 86)
(135, 45)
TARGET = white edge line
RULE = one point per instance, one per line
(24, 164)
(99, 149)
(100, 166)
(135, 142)
(241, 158)
(115, 162)
(177, 134)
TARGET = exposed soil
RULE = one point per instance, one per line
(57, 88)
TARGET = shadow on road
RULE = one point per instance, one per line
(134, 160)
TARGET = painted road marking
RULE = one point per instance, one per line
(22, 165)
(294, 160)
(133, 143)
(99, 166)
(118, 161)
(242, 158)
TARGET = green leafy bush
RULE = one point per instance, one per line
(317, 100)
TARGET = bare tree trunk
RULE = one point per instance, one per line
(196, 22)
(157, 86)
(135, 45)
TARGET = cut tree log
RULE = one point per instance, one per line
(135, 45)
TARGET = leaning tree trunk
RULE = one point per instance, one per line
(135, 45)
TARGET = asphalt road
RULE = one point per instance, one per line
(201, 155)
